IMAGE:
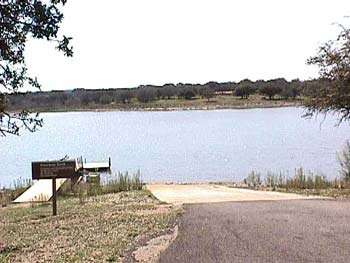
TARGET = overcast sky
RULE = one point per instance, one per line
(125, 43)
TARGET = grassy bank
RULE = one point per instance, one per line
(198, 103)
(101, 229)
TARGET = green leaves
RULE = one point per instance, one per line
(18, 21)
(333, 91)
(63, 45)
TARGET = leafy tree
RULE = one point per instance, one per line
(291, 90)
(187, 91)
(105, 99)
(168, 90)
(333, 93)
(158, 93)
(146, 94)
(213, 85)
(296, 87)
(20, 20)
(189, 94)
(207, 92)
(287, 92)
(85, 99)
(270, 90)
(243, 91)
(239, 92)
(125, 96)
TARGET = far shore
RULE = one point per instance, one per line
(147, 108)
(220, 102)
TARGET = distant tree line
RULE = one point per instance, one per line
(83, 98)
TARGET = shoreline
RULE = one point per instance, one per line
(169, 109)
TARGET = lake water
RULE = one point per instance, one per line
(182, 146)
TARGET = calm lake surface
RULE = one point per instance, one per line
(182, 146)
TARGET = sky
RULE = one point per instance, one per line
(126, 43)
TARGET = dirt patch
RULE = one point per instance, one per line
(151, 251)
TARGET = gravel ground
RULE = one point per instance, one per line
(263, 231)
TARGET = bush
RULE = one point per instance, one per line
(124, 182)
(121, 182)
(253, 180)
(300, 180)
(275, 180)
(270, 90)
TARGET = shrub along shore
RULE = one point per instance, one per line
(305, 182)
(301, 182)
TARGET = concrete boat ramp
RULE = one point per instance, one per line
(210, 193)
(40, 191)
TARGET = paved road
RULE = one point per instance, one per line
(263, 231)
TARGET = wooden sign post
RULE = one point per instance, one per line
(54, 197)
(53, 170)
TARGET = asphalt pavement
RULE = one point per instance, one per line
(263, 231)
